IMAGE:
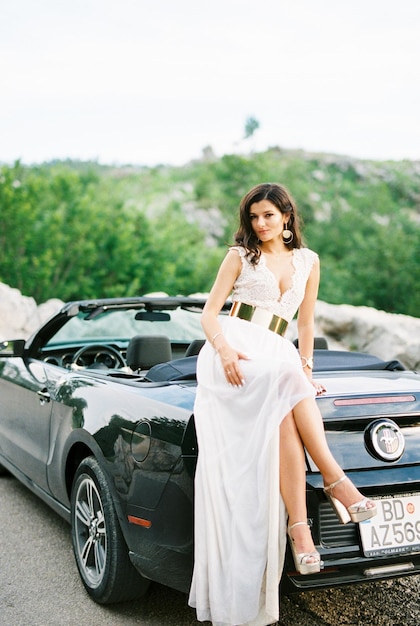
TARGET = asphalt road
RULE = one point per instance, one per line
(39, 584)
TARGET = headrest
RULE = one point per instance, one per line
(144, 351)
(195, 347)
(320, 343)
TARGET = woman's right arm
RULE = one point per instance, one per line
(228, 273)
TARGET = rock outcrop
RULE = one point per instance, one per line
(347, 327)
(364, 329)
(20, 315)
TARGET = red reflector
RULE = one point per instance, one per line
(375, 400)
(139, 521)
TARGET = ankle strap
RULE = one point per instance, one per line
(337, 482)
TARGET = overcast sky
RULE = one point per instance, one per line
(155, 81)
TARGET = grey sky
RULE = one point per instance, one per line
(136, 81)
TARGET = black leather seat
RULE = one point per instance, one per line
(195, 347)
(145, 351)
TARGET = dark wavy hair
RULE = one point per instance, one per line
(280, 198)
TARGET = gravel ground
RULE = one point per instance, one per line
(39, 584)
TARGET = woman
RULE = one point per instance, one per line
(255, 406)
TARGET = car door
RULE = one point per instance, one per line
(25, 413)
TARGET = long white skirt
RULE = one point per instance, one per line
(240, 518)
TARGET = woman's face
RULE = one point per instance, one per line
(266, 220)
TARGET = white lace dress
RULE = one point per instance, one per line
(240, 519)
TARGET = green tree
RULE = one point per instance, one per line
(72, 230)
(65, 236)
(19, 216)
(181, 262)
(251, 125)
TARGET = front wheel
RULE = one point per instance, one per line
(98, 544)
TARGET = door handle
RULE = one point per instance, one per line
(44, 396)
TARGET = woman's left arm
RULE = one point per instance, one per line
(306, 323)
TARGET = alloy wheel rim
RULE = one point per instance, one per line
(90, 532)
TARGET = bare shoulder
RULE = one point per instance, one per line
(233, 258)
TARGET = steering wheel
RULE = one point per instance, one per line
(101, 349)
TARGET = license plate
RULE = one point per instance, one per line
(396, 527)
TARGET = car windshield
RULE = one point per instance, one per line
(120, 325)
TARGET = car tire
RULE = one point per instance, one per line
(99, 547)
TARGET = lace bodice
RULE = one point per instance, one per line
(257, 285)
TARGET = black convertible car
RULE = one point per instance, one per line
(96, 417)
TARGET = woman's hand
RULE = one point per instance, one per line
(230, 362)
(319, 388)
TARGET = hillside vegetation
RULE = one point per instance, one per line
(78, 230)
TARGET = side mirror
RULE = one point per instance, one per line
(15, 347)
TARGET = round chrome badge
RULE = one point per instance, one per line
(385, 440)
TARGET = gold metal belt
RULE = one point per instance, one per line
(257, 315)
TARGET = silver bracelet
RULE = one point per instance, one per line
(214, 337)
(307, 361)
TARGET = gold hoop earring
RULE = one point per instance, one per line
(287, 235)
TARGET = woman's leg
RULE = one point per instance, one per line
(310, 426)
(293, 484)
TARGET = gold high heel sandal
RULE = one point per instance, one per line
(358, 512)
(301, 558)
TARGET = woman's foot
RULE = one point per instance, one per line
(307, 559)
(348, 502)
